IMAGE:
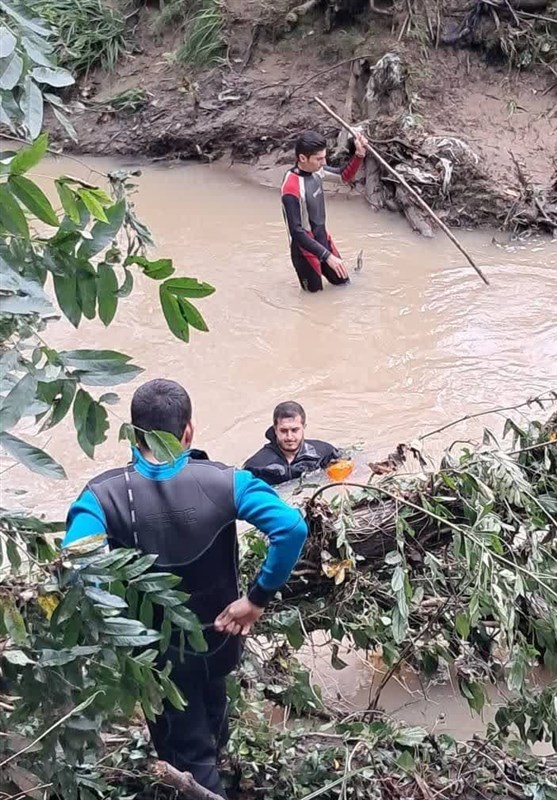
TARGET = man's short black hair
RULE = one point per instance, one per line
(309, 143)
(288, 410)
(160, 405)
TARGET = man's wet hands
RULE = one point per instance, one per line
(238, 617)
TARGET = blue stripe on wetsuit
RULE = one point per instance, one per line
(256, 503)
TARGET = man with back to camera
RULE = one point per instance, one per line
(186, 513)
(312, 250)
(288, 454)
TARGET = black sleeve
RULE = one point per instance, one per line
(291, 205)
(330, 454)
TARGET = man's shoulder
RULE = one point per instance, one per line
(290, 184)
(110, 475)
(265, 455)
(321, 447)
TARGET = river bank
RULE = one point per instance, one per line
(251, 106)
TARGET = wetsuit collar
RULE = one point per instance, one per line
(158, 471)
(302, 172)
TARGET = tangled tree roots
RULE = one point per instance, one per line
(443, 169)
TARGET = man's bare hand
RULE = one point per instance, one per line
(238, 617)
(338, 266)
(360, 143)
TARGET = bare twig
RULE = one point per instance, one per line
(548, 396)
(182, 781)
(419, 200)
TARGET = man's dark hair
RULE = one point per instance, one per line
(160, 405)
(309, 143)
(288, 410)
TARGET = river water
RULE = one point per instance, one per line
(415, 341)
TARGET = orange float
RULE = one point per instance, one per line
(340, 470)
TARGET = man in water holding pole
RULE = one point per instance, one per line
(312, 249)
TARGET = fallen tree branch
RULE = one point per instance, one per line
(419, 200)
(182, 781)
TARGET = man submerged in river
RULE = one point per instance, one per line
(312, 250)
(288, 454)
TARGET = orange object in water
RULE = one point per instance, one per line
(340, 470)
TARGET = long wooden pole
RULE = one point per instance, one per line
(419, 200)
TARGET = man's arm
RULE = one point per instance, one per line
(344, 174)
(291, 206)
(85, 519)
(286, 529)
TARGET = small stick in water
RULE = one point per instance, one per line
(359, 262)
(419, 200)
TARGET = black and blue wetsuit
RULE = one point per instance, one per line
(186, 514)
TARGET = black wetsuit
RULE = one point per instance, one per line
(303, 205)
(271, 466)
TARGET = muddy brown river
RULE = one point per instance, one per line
(414, 342)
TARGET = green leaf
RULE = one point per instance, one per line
(138, 567)
(295, 635)
(67, 199)
(32, 457)
(58, 658)
(197, 641)
(29, 157)
(107, 293)
(166, 634)
(12, 217)
(33, 199)
(99, 367)
(67, 607)
(14, 623)
(36, 50)
(406, 762)
(12, 551)
(126, 288)
(65, 288)
(86, 282)
(158, 582)
(32, 106)
(410, 737)
(59, 395)
(10, 72)
(173, 315)
(91, 422)
(7, 42)
(192, 315)
(17, 657)
(462, 625)
(18, 399)
(399, 626)
(172, 694)
(397, 581)
(109, 398)
(157, 270)
(146, 612)
(183, 618)
(92, 204)
(127, 432)
(164, 446)
(103, 233)
(103, 598)
(188, 287)
(53, 77)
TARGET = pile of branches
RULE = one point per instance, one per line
(522, 32)
(444, 170)
(451, 571)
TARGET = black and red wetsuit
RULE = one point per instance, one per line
(303, 205)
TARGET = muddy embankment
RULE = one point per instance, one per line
(460, 98)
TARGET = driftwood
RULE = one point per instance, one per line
(182, 781)
(414, 194)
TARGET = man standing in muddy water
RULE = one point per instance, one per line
(185, 512)
(312, 250)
